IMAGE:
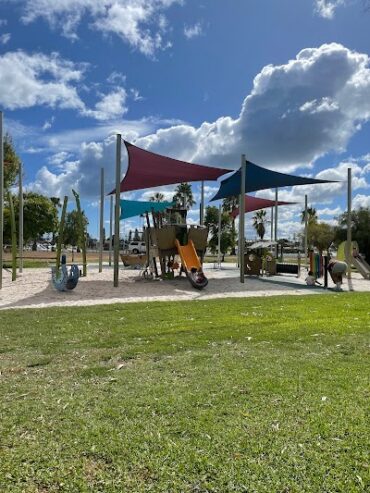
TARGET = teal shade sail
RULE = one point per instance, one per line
(132, 208)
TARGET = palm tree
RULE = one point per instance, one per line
(184, 196)
(311, 215)
(259, 221)
(157, 197)
(229, 204)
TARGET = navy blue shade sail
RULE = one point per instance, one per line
(258, 178)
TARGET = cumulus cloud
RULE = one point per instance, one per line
(28, 80)
(361, 200)
(295, 113)
(140, 23)
(327, 8)
(111, 106)
(38, 79)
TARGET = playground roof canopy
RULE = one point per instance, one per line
(256, 203)
(147, 169)
(258, 178)
(131, 208)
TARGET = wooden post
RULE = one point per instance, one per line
(101, 234)
(243, 170)
(20, 238)
(219, 236)
(60, 235)
(117, 211)
(202, 204)
(82, 235)
(1, 198)
(349, 222)
(306, 231)
(110, 230)
(276, 222)
(13, 236)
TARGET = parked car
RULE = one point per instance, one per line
(136, 247)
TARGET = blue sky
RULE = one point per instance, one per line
(286, 82)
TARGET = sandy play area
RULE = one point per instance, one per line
(33, 288)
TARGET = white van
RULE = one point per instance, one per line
(136, 247)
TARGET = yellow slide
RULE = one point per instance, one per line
(191, 264)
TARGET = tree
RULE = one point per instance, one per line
(184, 196)
(39, 215)
(211, 221)
(136, 235)
(229, 204)
(157, 197)
(71, 232)
(11, 162)
(360, 220)
(321, 236)
(311, 216)
(259, 221)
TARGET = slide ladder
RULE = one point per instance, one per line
(191, 265)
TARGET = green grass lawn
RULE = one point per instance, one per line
(238, 395)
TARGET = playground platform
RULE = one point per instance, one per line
(33, 288)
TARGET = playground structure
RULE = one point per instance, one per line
(355, 258)
(147, 170)
(65, 279)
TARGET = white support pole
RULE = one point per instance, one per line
(101, 232)
(117, 212)
(219, 236)
(201, 221)
(306, 231)
(110, 230)
(20, 239)
(1, 198)
(349, 222)
(276, 221)
(243, 170)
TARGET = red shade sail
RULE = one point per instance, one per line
(148, 170)
(256, 203)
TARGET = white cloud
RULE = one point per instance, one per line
(193, 31)
(327, 8)
(361, 201)
(329, 212)
(335, 78)
(5, 38)
(140, 23)
(49, 80)
(48, 123)
(295, 113)
(38, 79)
(111, 106)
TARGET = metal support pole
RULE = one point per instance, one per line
(272, 226)
(305, 232)
(349, 222)
(276, 222)
(219, 236)
(1, 198)
(201, 221)
(20, 226)
(117, 212)
(243, 170)
(101, 234)
(110, 230)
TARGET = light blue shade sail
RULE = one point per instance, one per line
(132, 208)
(258, 178)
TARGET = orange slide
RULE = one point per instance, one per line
(191, 265)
